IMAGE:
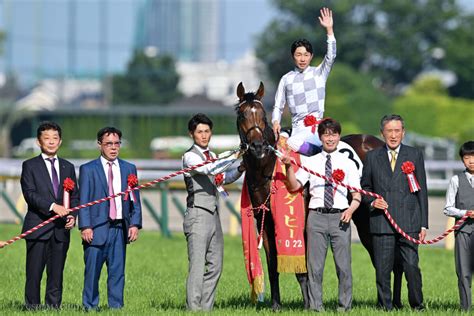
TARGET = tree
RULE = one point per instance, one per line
(354, 101)
(392, 40)
(148, 80)
(428, 110)
(459, 56)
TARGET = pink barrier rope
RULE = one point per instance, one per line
(145, 185)
(386, 212)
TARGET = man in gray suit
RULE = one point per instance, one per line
(202, 226)
(382, 174)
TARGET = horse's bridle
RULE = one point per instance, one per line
(244, 142)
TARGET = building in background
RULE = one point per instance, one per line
(188, 30)
(96, 38)
(66, 39)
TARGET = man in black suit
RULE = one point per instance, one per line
(42, 179)
(383, 174)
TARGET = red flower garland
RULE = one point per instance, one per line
(408, 168)
(132, 181)
(337, 175)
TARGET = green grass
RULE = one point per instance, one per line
(156, 275)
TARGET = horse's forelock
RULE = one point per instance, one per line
(249, 97)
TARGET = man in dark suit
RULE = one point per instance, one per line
(383, 174)
(42, 179)
(107, 227)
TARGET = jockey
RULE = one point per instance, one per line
(303, 89)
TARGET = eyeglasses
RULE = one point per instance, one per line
(111, 144)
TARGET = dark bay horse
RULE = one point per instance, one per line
(256, 135)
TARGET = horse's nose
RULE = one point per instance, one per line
(257, 148)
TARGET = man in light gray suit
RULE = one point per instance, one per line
(382, 174)
(202, 226)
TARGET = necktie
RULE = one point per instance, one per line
(393, 161)
(328, 197)
(207, 154)
(54, 176)
(110, 182)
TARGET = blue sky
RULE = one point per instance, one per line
(43, 36)
(41, 33)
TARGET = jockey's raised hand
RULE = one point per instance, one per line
(326, 20)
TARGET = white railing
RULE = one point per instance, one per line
(438, 172)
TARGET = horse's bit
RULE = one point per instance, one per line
(245, 145)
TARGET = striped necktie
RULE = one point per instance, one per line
(328, 197)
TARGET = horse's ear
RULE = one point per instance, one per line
(260, 91)
(240, 91)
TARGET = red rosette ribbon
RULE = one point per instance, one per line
(408, 168)
(68, 186)
(132, 181)
(337, 175)
(219, 181)
(310, 120)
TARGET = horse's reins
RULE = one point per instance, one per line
(245, 145)
(244, 142)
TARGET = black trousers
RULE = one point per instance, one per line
(51, 254)
(385, 247)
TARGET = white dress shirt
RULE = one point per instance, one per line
(117, 182)
(450, 208)
(317, 163)
(191, 159)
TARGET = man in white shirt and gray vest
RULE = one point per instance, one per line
(202, 226)
(329, 214)
(459, 202)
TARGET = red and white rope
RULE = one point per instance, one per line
(145, 185)
(386, 212)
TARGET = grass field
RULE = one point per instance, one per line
(156, 275)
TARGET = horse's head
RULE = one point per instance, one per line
(254, 131)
